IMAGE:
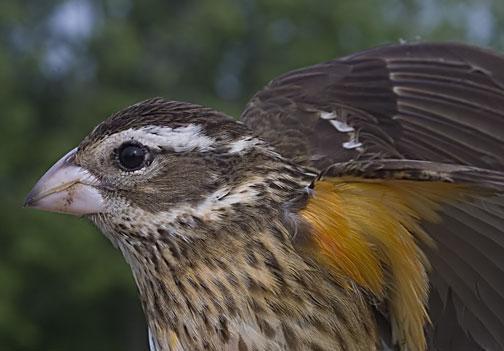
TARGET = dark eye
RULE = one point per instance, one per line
(132, 157)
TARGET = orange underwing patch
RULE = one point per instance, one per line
(368, 230)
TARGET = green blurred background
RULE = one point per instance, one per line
(66, 65)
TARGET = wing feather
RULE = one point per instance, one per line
(445, 91)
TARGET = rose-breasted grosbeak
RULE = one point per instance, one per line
(357, 206)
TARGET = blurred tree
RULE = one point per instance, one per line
(66, 65)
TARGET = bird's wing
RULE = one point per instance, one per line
(366, 221)
(434, 102)
(437, 102)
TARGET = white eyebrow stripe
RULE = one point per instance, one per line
(179, 139)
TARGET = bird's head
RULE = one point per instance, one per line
(161, 166)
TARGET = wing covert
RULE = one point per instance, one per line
(436, 102)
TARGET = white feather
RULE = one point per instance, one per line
(243, 144)
(152, 342)
(352, 144)
(341, 126)
(327, 115)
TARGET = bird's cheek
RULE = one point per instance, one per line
(67, 188)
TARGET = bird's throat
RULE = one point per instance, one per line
(242, 284)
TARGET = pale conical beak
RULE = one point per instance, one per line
(67, 188)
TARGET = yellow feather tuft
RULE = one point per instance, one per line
(367, 230)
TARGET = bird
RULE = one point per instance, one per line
(356, 204)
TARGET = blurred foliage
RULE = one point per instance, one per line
(66, 65)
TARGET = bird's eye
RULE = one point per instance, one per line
(132, 157)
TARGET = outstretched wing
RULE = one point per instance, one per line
(437, 102)
(434, 102)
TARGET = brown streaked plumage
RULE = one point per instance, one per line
(359, 206)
